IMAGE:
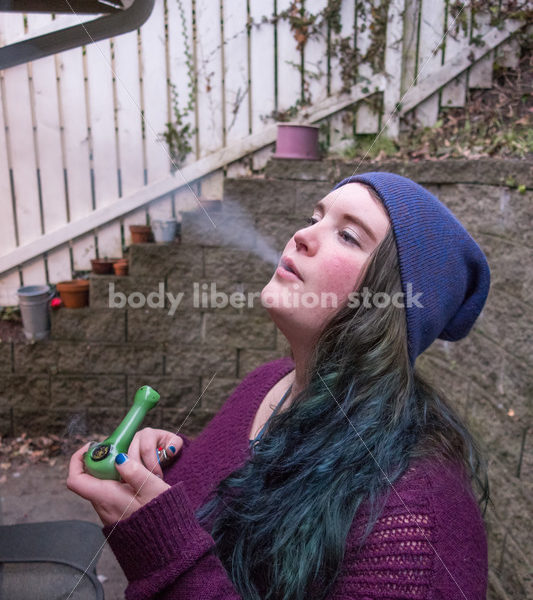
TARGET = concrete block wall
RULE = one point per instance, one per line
(83, 379)
(489, 374)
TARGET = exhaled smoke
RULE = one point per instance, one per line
(234, 226)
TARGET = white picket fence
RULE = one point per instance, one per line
(81, 154)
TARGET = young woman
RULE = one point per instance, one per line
(338, 473)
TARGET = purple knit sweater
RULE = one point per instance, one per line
(428, 544)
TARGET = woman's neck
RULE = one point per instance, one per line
(301, 356)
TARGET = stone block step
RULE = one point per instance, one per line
(103, 288)
(88, 324)
(304, 170)
(258, 197)
(218, 228)
(162, 260)
(488, 171)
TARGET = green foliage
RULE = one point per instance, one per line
(327, 24)
(10, 313)
(332, 15)
(371, 146)
(178, 133)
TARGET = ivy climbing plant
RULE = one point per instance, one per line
(179, 131)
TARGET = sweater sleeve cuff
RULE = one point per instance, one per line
(163, 532)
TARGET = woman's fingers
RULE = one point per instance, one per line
(173, 445)
(134, 449)
(82, 483)
(145, 484)
(149, 445)
(155, 448)
(76, 470)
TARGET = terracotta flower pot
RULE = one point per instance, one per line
(297, 141)
(75, 293)
(103, 266)
(140, 234)
(121, 267)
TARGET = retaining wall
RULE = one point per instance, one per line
(84, 377)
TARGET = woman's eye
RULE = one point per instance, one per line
(311, 220)
(348, 237)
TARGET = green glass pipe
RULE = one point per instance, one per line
(100, 458)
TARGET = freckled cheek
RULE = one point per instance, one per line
(340, 276)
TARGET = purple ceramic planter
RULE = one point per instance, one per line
(297, 141)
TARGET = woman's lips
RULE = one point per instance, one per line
(287, 270)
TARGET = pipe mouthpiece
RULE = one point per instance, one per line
(147, 396)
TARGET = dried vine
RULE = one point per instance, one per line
(326, 25)
(178, 132)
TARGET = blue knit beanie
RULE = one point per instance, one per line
(438, 259)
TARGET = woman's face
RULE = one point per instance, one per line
(323, 261)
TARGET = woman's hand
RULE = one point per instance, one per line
(145, 443)
(115, 500)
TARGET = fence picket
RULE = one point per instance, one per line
(263, 71)
(366, 117)
(480, 74)
(180, 77)
(103, 140)
(179, 73)
(315, 57)
(125, 55)
(340, 124)
(454, 93)
(44, 97)
(209, 77)
(210, 97)
(410, 42)
(509, 54)
(393, 58)
(10, 282)
(429, 56)
(7, 222)
(75, 146)
(21, 142)
(156, 104)
(236, 71)
(289, 76)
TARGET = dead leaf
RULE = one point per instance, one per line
(24, 448)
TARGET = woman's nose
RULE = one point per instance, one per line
(306, 239)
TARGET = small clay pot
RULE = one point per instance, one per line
(121, 267)
(140, 234)
(102, 266)
(74, 293)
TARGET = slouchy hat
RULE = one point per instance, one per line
(441, 266)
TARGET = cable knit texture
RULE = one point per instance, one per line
(429, 543)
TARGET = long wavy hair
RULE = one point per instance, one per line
(281, 521)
